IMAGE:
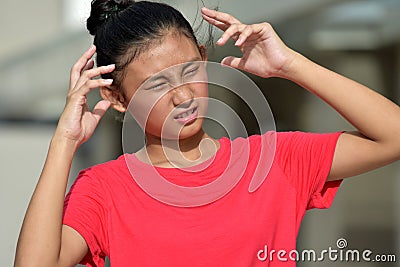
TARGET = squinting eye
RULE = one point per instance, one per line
(192, 71)
(158, 86)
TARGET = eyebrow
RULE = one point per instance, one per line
(187, 64)
(190, 63)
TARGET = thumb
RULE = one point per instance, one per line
(100, 109)
(233, 62)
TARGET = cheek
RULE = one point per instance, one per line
(201, 93)
(203, 90)
(160, 121)
(147, 108)
(199, 90)
(151, 111)
(159, 112)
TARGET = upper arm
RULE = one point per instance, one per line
(356, 154)
(85, 213)
(73, 247)
(305, 160)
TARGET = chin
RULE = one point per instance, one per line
(191, 130)
(189, 134)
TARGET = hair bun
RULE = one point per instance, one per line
(101, 10)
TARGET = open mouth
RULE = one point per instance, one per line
(187, 116)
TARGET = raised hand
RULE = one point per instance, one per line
(264, 53)
(77, 123)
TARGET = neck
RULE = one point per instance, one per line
(178, 153)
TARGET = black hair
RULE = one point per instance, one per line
(123, 29)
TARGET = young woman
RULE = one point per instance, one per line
(106, 213)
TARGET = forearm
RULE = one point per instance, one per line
(373, 115)
(40, 237)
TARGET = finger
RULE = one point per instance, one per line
(233, 62)
(88, 86)
(246, 32)
(89, 65)
(231, 32)
(100, 109)
(92, 73)
(219, 25)
(80, 65)
(219, 16)
(93, 84)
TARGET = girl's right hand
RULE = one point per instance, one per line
(77, 123)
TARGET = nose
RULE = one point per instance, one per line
(182, 96)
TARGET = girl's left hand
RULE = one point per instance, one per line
(264, 53)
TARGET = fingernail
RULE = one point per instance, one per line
(92, 47)
(108, 81)
(219, 40)
(238, 41)
(111, 66)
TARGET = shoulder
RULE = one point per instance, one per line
(107, 166)
(103, 172)
(99, 182)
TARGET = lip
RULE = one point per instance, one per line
(188, 119)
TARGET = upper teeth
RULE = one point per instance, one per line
(183, 115)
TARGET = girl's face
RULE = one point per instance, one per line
(163, 89)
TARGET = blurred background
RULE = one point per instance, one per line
(40, 40)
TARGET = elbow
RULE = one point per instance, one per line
(397, 158)
(394, 154)
(396, 150)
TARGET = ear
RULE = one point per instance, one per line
(115, 97)
(203, 52)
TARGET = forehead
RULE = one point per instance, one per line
(172, 50)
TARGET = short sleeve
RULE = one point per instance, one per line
(306, 159)
(84, 211)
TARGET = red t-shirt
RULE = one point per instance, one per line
(117, 218)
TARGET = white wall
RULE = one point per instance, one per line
(26, 24)
(75, 13)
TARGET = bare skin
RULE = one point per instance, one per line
(44, 241)
(377, 119)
